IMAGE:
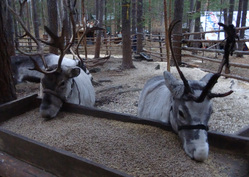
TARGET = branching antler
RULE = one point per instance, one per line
(56, 41)
(229, 46)
(40, 51)
(96, 61)
(185, 81)
(212, 81)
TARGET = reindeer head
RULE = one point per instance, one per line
(191, 108)
(57, 88)
(58, 82)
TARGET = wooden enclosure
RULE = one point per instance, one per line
(25, 157)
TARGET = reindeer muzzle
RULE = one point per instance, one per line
(51, 92)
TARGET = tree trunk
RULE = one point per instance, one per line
(231, 9)
(35, 19)
(197, 24)
(239, 13)
(7, 87)
(97, 9)
(139, 26)
(43, 13)
(10, 32)
(28, 17)
(191, 9)
(243, 23)
(149, 20)
(99, 32)
(127, 58)
(166, 35)
(225, 16)
(53, 21)
(133, 17)
(66, 21)
(118, 21)
(177, 32)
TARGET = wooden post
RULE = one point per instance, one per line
(84, 26)
(160, 46)
(166, 35)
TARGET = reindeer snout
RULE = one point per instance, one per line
(201, 153)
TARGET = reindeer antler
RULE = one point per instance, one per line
(212, 81)
(229, 46)
(57, 41)
(76, 51)
(185, 81)
(40, 51)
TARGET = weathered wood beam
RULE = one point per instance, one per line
(10, 166)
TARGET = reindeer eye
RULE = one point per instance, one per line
(181, 114)
(63, 83)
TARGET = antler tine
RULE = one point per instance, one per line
(86, 30)
(215, 95)
(225, 61)
(206, 90)
(78, 44)
(230, 42)
(36, 66)
(40, 51)
(185, 81)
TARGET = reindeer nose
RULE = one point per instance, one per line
(201, 154)
(45, 114)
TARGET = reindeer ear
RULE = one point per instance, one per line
(73, 72)
(207, 77)
(175, 86)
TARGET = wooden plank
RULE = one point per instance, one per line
(232, 143)
(10, 166)
(217, 61)
(213, 50)
(113, 116)
(243, 132)
(58, 162)
(17, 107)
(227, 75)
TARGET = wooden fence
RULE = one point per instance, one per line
(109, 45)
(154, 46)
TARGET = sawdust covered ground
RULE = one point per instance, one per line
(118, 90)
(137, 149)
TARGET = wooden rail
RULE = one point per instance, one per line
(154, 46)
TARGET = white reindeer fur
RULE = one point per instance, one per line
(85, 87)
(158, 97)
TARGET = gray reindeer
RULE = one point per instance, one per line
(184, 104)
(60, 82)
